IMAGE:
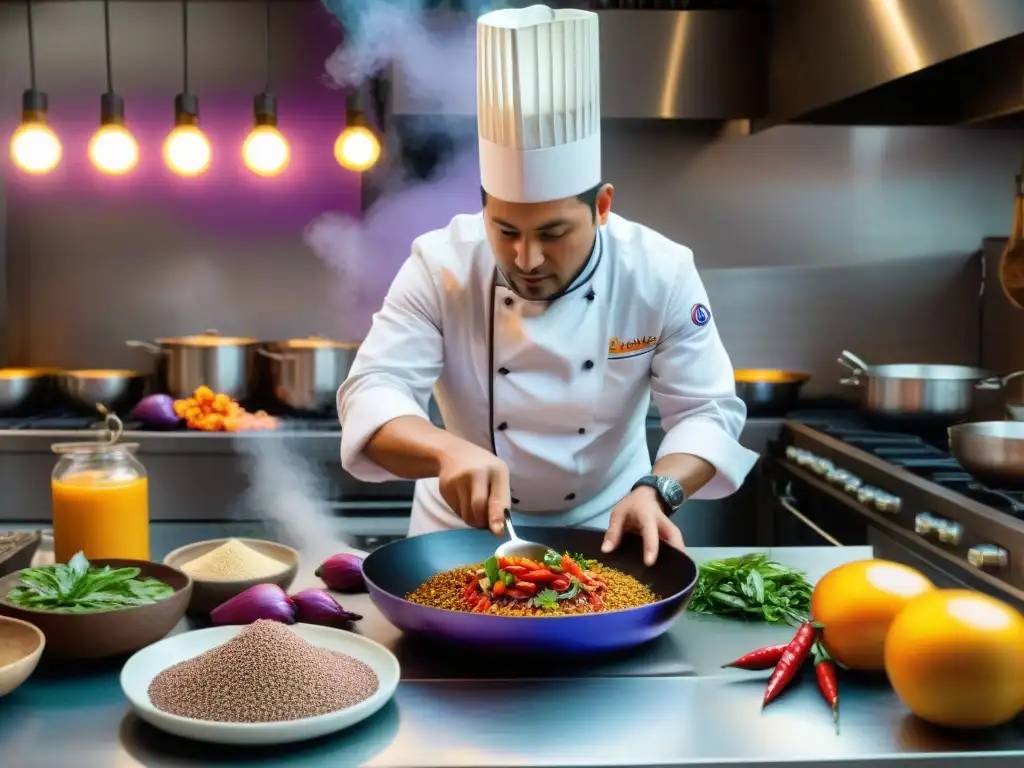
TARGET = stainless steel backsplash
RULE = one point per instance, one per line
(810, 240)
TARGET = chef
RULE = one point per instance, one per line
(543, 325)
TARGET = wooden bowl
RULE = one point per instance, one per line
(106, 633)
(21, 646)
(207, 594)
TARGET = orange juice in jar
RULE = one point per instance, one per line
(100, 501)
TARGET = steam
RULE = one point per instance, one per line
(287, 491)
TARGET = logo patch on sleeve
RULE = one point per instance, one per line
(700, 315)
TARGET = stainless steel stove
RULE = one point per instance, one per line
(833, 476)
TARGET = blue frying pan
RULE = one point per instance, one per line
(398, 568)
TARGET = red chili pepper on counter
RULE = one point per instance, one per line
(789, 664)
(825, 672)
(762, 658)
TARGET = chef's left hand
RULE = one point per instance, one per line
(641, 512)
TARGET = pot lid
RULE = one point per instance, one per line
(208, 339)
(317, 342)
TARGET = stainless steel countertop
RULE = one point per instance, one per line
(711, 718)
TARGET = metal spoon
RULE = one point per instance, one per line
(516, 547)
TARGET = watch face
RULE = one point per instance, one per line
(670, 491)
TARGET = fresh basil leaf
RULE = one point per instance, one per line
(756, 583)
(491, 569)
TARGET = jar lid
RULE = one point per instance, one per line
(106, 441)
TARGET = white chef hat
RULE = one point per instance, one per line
(538, 103)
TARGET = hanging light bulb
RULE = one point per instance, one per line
(112, 148)
(35, 147)
(265, 151)
(186, 149)
(357, 148)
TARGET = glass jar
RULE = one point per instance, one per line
(100, 495)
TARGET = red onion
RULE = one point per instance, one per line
(342, 572)
(317, 606)
(264, 601)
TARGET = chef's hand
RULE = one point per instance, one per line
(641, 512)
(475, 484)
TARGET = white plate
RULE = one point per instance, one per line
(146, 664)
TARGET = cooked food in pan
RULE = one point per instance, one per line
(559, 585)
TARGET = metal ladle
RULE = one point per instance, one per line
(517, 547)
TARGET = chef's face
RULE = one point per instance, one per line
(541, 247)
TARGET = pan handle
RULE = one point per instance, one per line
(995, 382)
(855, 365)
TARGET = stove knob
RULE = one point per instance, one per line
(951, 532)
(823, 467)
(988, 556)
(804, 458)
(838, 477)
(851, 484)
(792, 452)
(866, 494)
(924, 523)
(888, 503)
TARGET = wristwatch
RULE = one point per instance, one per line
(669, 491)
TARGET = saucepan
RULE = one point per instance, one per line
(22, 388)
(769, 392)
(912, 391)
(116, 390)
(224, 363)
(398, 568)
(305, 373)
(991, 452)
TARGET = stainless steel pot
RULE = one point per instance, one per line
(941, 392)
(116, 390)
(305, 373)
(225, 364)
(990, 451)
(25, 388)
(769, 392)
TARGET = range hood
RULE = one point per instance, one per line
(703, 65)
(896, 62)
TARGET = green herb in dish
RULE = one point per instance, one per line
(77, 588)
(752, 587)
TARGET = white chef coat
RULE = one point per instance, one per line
(571, 378)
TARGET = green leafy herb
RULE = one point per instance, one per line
(752, 587)
(491, 569)
(546, 599)
(583, 562)
(508, 578)
(77, 588)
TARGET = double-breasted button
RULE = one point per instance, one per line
(503, 426)
(515, 500)
(503, 371)
(588, 365)
(508, 301)
(582, 431)
(590, 295)
(570, 497)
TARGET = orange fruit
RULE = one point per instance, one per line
(956, 658)
(856, 602)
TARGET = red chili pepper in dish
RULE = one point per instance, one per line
(529, 564)
(517, 594)
(515, 570)
(482, 605)
(595, 601)
(793, 657)
(762, 658)
(470, 589)
(527, 587)
(560, 585)
(542, 576)
(499, 588)
(825, 672)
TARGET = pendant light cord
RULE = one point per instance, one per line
(184, 43)
(266, 45)
(106, 32)
(31, 45)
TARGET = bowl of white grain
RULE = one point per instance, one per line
(223, 568)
